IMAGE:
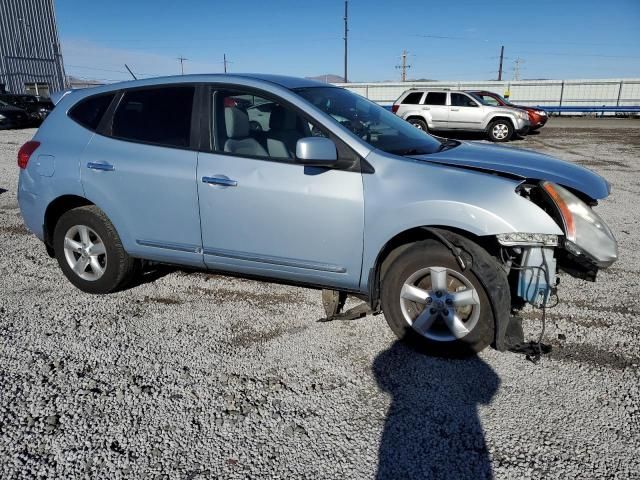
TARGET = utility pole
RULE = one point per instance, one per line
(403, 67)
(500, 67)
(516, 68)
(224, 56)
(346, 34)
(182, 59)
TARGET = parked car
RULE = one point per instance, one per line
(537, 116)
(444, 237)
(450, 110)
(12, 117)
(36, 107)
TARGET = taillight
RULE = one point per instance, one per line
(24, 154)
(394, 108)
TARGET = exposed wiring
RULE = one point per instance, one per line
(535, 271)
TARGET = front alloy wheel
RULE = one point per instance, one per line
(440, 304)
(433, 304)
(500, 131)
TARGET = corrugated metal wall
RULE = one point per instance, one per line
(29, 45)
(610, 92)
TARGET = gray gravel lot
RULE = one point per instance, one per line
(193, 375)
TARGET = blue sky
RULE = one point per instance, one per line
(555, 38)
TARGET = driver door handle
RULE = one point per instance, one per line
(455, 109)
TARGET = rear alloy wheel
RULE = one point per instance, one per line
(430, 302)
(89, 251)
(500, 131)
(85, 252)
(419, 124)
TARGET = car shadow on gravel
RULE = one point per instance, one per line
(3, 190)
(432, 429)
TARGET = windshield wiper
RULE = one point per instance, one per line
(409, 151)
(447, 144)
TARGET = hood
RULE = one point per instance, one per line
(506, 108)
(524, 164)
(529, 108)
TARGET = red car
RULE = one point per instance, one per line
(537, 116)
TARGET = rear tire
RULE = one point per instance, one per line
(89, 251)
(448, 323)
(419, 124)
(500, 130)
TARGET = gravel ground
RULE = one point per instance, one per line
(192, 375)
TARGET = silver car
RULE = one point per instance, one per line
(327, 189)
(447, 110)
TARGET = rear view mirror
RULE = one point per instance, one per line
(317, 151)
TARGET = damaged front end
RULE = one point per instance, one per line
(533, 260)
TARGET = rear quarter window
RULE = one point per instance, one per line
(412, 99)
(89, 112)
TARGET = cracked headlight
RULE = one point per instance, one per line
(585, 232)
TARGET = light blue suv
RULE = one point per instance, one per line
(290, 179)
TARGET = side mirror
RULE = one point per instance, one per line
(316, 151)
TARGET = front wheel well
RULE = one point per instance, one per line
(396, 245)
(492, 120)
(481, 255)
(56, 209)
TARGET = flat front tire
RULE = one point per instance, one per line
(89, 251)
(434, 305)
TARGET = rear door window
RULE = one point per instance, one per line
(436, 98)
(89, 112)
(161, 116)
(412, 99)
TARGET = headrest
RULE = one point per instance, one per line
(282, 119)
(237, 122)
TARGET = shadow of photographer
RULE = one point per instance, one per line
(432, 429)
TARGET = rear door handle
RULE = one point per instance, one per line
(455, 109)
(221, 180)
(103, 166)
(426, 108)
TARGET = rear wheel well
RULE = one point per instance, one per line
(416, 117)
(56, 209)
(404, 240)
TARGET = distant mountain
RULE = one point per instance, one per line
(328, 78)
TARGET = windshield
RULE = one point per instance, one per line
(503, 100)
(374, 124)
(482, 100)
